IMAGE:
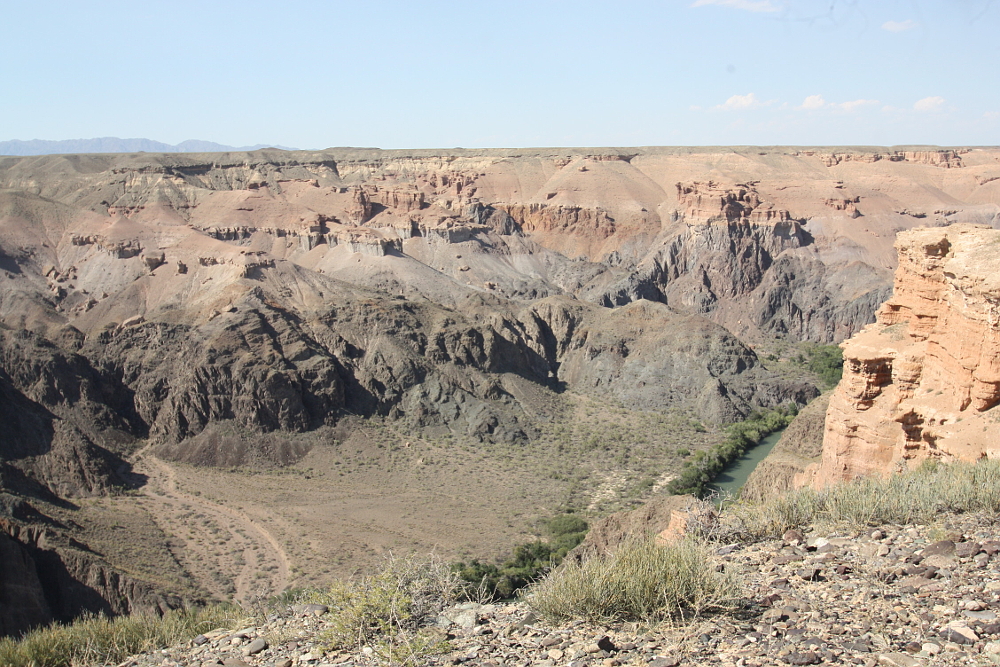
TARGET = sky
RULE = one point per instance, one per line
(314, 74)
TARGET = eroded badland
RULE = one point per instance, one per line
(225, 374)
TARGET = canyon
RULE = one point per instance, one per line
(200, 337)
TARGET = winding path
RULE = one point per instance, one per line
(244, 564)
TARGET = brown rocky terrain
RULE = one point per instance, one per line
(922, 382)
(237, 309)
(893, 596)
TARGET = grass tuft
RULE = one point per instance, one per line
(917, 496)
(642, 580)
(99, 640)
(392, 612)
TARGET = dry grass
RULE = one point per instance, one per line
(392, 612)
(918, 496)
(642, 580)
(98, 640)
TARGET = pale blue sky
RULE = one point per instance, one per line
(414, 74)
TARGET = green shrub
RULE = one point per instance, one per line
(528, 562)
(826, 361)
(99, 640)
(642, 580)
(391, 611)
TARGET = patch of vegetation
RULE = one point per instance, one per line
(642, 580)
(393, 611)
(528, 562)
(920, 495)
(827, 362)
(703, 468)
(98, 640)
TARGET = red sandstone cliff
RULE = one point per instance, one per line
(924, 380)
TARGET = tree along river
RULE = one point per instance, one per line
(734, 476)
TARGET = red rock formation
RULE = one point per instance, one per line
(709, 202)
(924, 380)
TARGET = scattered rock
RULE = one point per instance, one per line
(256, 646)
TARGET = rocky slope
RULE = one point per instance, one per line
(175, 299)
(922, 382)
(894, 596)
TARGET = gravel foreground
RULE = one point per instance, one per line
(898, 596)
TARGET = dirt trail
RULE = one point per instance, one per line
(225, 551)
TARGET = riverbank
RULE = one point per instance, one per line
(701, 470)
(730, 481)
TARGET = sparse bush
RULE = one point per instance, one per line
(528, 562)
(642, 580)
(916, 496)
(391, 611)
(99, 640)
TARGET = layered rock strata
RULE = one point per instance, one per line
(923, 381)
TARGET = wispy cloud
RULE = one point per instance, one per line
(929, 104)
(748, 5)
(899, 26)
(814, 102)
(741, 102)
(853, 105)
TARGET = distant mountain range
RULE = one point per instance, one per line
(116, 145)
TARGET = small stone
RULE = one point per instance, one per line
(930, 648)
(256, 646)
(805, 658)
(287, 662)
(877, 535)
(993, 648)
(605, 644)
(942, 548)
(668, 661)
(898, 660)
(234, 662)
(973, 605)
(990, 548)
(816, 543)
(966, 549)
(555, 654)
(959, 634)
(200, 639)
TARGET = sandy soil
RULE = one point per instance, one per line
(226, 552)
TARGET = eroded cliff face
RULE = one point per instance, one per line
(923, 382)
(47, 576)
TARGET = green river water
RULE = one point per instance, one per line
(734, 476)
